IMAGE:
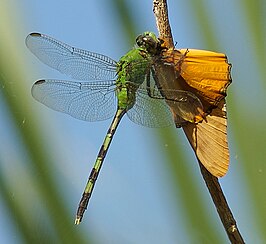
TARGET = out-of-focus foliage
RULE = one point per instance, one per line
(36, 207)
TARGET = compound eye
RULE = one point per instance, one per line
(140, 40)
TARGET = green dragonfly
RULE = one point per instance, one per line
(113, 89)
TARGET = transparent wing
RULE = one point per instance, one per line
(150, 112)
(185, 104)
(89, 101)
(153, 107)
(77, 63)
(150, 108)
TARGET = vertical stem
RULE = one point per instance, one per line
(162, 21)
(97, 165)
(221, 204)
(161, 15)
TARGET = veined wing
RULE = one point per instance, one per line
(149, 111)
(79, 64)
(183, 103)
(186, 104)
(152, 106)
(209, 140)
(89, 101)
(207, 72)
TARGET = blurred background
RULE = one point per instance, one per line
(150, 189)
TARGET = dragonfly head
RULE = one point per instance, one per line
(148, 41)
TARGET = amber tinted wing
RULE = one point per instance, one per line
(209, 140)
(207, 75)
(207, 72)
(184, 104)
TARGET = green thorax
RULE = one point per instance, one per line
(131, 71)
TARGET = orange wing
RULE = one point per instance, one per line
(207, 75)
(209, 140)
(207, 72)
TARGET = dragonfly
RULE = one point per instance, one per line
(105, 88)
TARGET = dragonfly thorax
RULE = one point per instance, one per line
(131, 71)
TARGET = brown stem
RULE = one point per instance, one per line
(225, 214)
(162, 21)
(221, 205)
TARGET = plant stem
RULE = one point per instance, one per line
(213, 185)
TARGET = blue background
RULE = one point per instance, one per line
(134, 199)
